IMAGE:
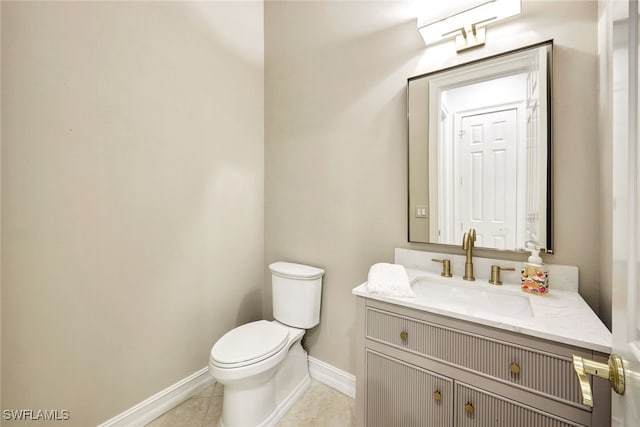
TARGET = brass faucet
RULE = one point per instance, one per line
(468, 239)
(495, 274)
(446, 267)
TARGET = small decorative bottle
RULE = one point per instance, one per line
(534, 274)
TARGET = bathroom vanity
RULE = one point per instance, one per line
(474, 354)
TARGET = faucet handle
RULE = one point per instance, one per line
(446, 267)
(495, 273)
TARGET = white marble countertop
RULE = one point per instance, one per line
(561, 316)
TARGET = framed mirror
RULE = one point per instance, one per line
(480, 152)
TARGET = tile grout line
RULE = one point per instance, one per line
(206, 412)
(210, 401)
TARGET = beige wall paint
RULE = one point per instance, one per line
(336, 141)
(1, 406)
(132, 195)
(335, 149)
(605, 138)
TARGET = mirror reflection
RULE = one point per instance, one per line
(479, 152)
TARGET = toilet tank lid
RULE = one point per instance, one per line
(295, 271)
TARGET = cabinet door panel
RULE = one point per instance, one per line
(477, 408)
(399, 394)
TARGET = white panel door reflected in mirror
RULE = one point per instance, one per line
(479, 152)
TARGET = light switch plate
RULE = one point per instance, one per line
(421, 211)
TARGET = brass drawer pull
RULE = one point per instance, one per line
(437, 396)
(515, 368)
(404, 336)
(468, 407)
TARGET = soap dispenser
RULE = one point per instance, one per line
(534, 274)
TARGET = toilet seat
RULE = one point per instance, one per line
(248, 344)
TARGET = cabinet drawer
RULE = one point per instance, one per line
(404, 395)
(477, 408)
(541, 372)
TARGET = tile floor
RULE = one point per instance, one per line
(320, 406)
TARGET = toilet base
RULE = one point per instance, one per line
(273, 398)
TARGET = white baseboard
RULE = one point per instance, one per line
(335, 378)
(150, 409)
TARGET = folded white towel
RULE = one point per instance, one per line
(389, 280)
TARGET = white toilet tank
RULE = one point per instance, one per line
(296, 294)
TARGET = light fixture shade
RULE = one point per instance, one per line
(434, 11)
(439, 20)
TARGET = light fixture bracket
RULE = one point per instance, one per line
(470, 37)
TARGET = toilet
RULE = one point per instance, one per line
(262, 364)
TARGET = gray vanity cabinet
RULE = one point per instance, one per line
(420, 397)
(476, 407)
(421, 369)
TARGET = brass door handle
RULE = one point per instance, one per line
(514, 368)
(437, 396)
(446, 267)
(468, 407)
(613, 371)
(404, 336)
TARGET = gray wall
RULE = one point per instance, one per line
(336, 141)
(132, 195)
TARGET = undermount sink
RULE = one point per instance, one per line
(471, 298)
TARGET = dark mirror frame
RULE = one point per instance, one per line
(549, 135)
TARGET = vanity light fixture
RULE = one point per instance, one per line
(463, 19)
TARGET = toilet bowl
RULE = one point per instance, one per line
(262, 364)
